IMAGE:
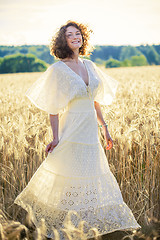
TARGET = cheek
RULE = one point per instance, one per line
(68, 42)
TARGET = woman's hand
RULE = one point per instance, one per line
(51, 146)
(108, 138)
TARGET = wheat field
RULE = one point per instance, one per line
(133, 122)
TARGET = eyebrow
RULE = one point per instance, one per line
(71, 32)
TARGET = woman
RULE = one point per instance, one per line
(75, 175)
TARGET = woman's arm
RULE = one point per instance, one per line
(101, 122)
(99, 113)
(54, 121)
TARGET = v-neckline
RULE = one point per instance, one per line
(83, 61)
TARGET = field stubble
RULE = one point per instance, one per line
(133, 122)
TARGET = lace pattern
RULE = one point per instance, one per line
(87, 197)
(77, 160)
(57, 86)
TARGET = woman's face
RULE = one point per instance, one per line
(73, 38)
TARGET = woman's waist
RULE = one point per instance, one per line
(84, 104)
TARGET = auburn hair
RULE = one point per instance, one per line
(59, 47)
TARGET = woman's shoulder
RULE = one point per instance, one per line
(90, 63)
(55, 66)
(87, 60)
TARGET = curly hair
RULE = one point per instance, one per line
(59, 47)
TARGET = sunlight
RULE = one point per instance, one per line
(113, 22)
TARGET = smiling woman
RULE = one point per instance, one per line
(74, 37)
(75, 176)
(59, 44)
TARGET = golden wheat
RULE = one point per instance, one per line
(133, 119)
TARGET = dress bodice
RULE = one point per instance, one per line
(82, 104)
(59, 85)
(77, 84)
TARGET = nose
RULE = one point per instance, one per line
(75, 36)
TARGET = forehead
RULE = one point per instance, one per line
(72, 29)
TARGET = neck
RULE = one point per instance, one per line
(75, 56)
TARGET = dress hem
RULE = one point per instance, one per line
(124, 228)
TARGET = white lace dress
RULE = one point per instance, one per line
(75, 175)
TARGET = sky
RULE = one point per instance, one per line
(114, 22)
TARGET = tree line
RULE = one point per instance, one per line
(35, 58)
(21, 63)
(117, 56)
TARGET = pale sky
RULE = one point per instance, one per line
(114, 22)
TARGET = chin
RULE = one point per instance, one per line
(75, 48)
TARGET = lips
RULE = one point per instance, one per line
(76, 42)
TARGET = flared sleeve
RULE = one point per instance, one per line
(107, 87)
(50, 92)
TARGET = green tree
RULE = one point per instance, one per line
(100, 61)
(152, 53)
(128, 51)
(21, 63)
(126, 63)
(23, 50)
(152, 56)
(111, 63)
(45, 56)
(139, 60)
